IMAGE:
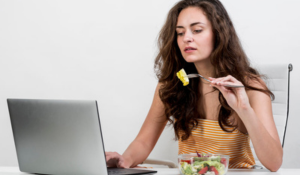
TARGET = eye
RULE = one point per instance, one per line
(180, 33)
(197, 31)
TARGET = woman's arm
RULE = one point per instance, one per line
(258, 119)
(146, 139)
(255, 110)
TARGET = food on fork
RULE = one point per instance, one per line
(183, 77)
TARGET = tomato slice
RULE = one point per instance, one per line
(187, 161)
(223, 161)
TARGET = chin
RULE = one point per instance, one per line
(193, 59)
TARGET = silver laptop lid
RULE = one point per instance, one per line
(57, 136)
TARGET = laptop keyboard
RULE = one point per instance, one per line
(121, 171)
(117, 171)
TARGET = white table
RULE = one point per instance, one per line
(175, 171)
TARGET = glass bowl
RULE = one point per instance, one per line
(199, 164)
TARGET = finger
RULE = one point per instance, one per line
(222, 89)
(122, 163)
(217, 81)
(219, 87)
(228, 80)
(107, 156)
(112, 155)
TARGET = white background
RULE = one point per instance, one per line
(105, 50)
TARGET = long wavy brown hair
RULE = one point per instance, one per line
(182, 103)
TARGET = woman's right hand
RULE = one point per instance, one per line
(114, 159)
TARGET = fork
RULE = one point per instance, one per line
(198, 75)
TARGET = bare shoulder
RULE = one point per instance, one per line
(257, 83)
(260, 101)
(159, 85)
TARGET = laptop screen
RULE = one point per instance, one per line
(57, 136)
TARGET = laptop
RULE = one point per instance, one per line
(60, 137)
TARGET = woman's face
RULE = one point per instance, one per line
(194, 35)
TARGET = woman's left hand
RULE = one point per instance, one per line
(236, 98)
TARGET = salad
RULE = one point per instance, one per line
(204, 164)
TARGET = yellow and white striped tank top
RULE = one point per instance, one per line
(209, 137)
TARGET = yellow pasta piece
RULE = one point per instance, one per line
(183, 77)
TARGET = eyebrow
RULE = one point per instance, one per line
(195, 23)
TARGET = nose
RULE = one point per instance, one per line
(188, 37)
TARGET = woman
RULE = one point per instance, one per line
(199, 36)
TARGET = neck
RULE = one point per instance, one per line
(205, 68)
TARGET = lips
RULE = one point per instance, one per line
(189, 49)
